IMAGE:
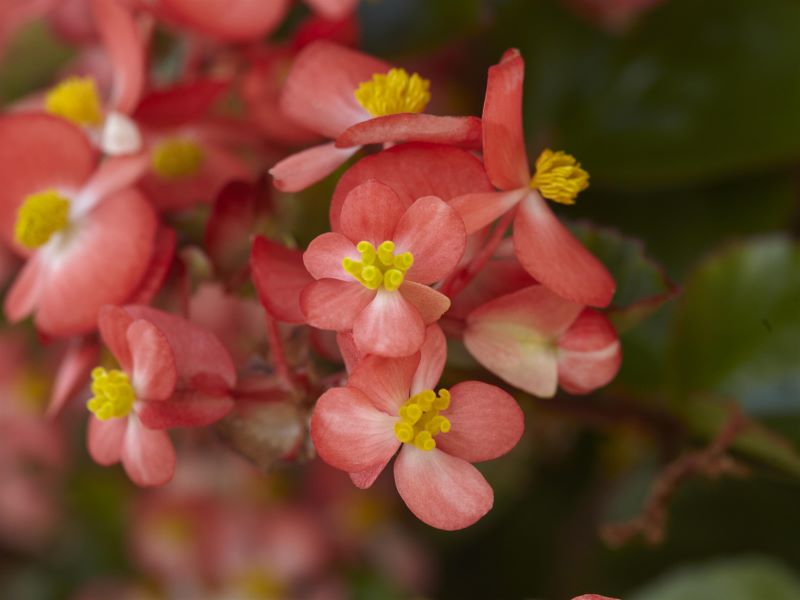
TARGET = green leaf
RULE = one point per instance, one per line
(642, 285)
(738, 327)
(749, 578)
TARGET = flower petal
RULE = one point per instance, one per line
(186, 408)
(552, 255)
(153, 370)
(305, 168)
(434, 233)
(180, 104)
(371, 212)
(23, 297)
(486, 422)
(478, 210)
(102, 263)
(413, 171)
(350, 433)
(229, 20)
(279, 276)
(441, 490)
(364, 479)
(385, 381)
(104, 439)
(433, 356)
(113, 323)
(319, 93)
(348, 350)
(73, 372)
(414, 127)
(589, 354)
(514, 336)
(334, 304)
(158, 269)
(430, 304)
(389, 326)
(324, 255)
(125, 47)
(147, 455)
(333, 10)
(503, 139)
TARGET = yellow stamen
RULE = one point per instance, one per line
(40, 216)
(113, 394)
(559, 177)
(177, 158)
(76, 99)
(394, 92)
(379, 267)
(420, 420)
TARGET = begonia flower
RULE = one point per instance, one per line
(390, 405)
(89, 237)
(536, 341)
(374, 276)
(172, 374)
(77, 99)
(545, 248)
(355, 99)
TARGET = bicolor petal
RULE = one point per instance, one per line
(388, 326)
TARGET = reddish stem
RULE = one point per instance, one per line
(458, 283)
(277, 352)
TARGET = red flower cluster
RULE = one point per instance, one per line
(95, 168)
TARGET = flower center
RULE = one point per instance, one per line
(76, 99)
(113, 394)
(379, 267)
(40, 216)
(394, 92)
(420, 420)
(559, 177)
(177, 158)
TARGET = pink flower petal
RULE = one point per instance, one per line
(25, 292)
(147, 455)
(434, 233)
(350, 433)
(157, 271)
(279, 276)
(334, 304)
(112, 175)
(333, 10)
(503, 139)
(441, 490)
(389, 326)
(180, 104)
(371, 212)
(124, 44)
(319, 92)
(199, 355)
(348, 350)
(102, 263)
(385, 381)
(229, 20)
(113, 323)
(154, 375)
(589, 354)
(64, 161)
(478, 210)
(413, 171)
(514, 336)
(73, 372)
(324, 255)
(104, 439)
(364, 479)
(433, 356)
(186, 408)
(304, 169)
(552, 255)
(486, 422)
(414, 127)
(430, 304)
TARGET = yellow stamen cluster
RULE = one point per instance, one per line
(420, 420)
(113, 394)
(559, 177)
(76, 99)
(394, 92)
(177, 158)
(379, 266)
(40, 216)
